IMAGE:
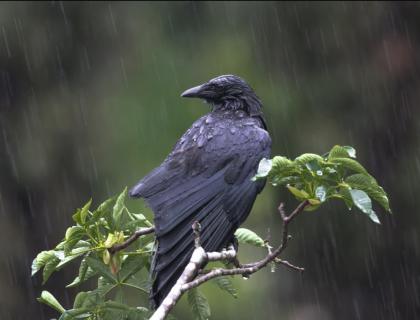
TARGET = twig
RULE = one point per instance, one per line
(131, 239)
(288, 264)
(192, 277)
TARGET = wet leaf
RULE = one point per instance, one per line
(264, 168)
(363, 202)
(349, 164)
(321, 193)
(48, 299)
(249, 237)
(300, 194)
(225, 284)
(308, 157)
(119, 207)
(199, 304)
(100, 268)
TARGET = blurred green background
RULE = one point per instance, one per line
(89, 103)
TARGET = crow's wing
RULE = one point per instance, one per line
(206, 178)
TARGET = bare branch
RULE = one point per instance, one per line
(193, 276)
(288, 264)
(131, 239)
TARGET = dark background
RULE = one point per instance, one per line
(89, 103)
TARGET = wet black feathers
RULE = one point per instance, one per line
(207, 177)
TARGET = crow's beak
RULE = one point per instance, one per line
(194, 92)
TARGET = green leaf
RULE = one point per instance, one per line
(81, 214)
(279, 162)
(73, 236)
(225, 284)
(350, 151)
(342, 152)
(300, 194)
(131, 265)
(314, 166)
(48, 299)
(114, 305)
(363, 202)
(101, 269)
(49, 268)
(249, 237)
(199, 304)
(91, 300)
(84, 212)
(349, 164)
(41, 259)
(264, 168)
(369, 185)
(314, 202)
(85, 272)
(80, 299)
(103, 209)
(82, 313)
(346, 196)
(308, 157)
(119, 207)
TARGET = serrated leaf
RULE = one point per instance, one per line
(41, 259)
(225, 284)
(81, 214)
(314, 166)
(119, 206)
(199, 304)
(279, 162)
(48, 299)
(73, 235)
(100, 268)
(85, 272)
(349, 164)
(370, 186)
(300, 194)
(103, 209)
(49, 268)
(308, 157)
(363, 202)
(70, 258)
(249, 237)
(130, 266)
(280, 181)
(342, 152)
(264, 168)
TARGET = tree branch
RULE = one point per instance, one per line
(131, 239)
(192, 277)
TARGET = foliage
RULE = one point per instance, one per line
(88, 241)
(310, 177)
(335, 175)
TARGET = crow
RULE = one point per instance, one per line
(206, 178)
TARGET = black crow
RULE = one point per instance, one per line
(206, 178)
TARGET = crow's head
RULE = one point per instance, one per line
(227, 92)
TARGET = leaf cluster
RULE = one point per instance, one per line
(334, 175)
